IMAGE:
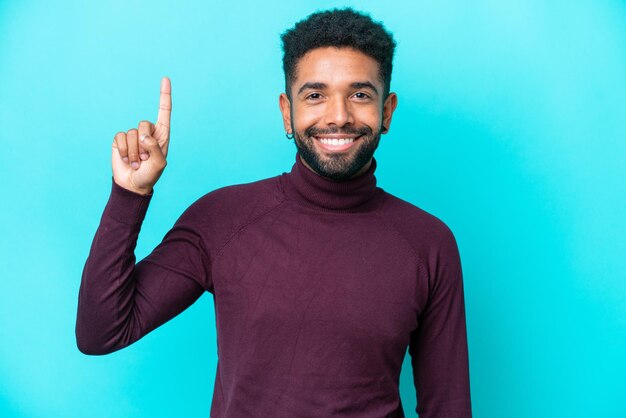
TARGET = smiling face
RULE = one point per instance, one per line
(336, 111)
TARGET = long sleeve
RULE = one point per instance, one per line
(438, 347)
(120, 301)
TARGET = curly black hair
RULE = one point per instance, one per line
(339, 28)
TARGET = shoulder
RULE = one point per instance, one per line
(422, 229)
(433, 242)
(241, 198)
(221, 212)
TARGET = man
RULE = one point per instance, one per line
(321, 279)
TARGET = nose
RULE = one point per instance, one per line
(338, 112)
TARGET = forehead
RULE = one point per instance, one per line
(336, 66)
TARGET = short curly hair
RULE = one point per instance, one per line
(338, 28)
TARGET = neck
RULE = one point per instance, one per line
(355, 194)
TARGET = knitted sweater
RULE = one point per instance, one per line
(319, 287)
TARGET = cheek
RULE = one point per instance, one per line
(370, 116)
(304, 117)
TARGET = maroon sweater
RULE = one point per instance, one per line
(319, 288)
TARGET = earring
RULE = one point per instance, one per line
(384, 130)
(288, 135)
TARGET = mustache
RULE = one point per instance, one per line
(313, 131)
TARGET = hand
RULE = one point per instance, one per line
(139, 160)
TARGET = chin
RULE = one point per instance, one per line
(337, 165)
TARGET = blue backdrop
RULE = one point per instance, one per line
(511, 127)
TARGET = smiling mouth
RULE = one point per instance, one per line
(336, 143)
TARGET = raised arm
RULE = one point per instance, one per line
(120, 301)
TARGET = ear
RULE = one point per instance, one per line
(388, 107)
(285, 109)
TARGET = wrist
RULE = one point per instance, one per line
(126, 206)
(134, 189)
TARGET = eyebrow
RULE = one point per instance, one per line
(312, 86)
(322, 86)
(364, 85)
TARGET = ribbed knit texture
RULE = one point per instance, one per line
(309, 188)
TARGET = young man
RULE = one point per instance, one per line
(321, 279)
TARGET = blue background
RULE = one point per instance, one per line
(510, 127)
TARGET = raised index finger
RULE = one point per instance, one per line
(165, 105)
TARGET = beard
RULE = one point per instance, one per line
(337, 165)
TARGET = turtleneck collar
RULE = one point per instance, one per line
(311, 189)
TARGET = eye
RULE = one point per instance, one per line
(314, 96)
(361, 95)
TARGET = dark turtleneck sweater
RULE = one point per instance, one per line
(319, 288)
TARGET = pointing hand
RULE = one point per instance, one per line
(138, 155)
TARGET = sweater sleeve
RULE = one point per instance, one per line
(119, 301)
(438, 347)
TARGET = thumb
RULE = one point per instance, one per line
(152, 147)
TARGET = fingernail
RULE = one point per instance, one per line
(143, 157)
(134, 165)
(142, 137)
(125, 159)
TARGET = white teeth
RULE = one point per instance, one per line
(335, 141)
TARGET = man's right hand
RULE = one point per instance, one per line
(138, 156)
